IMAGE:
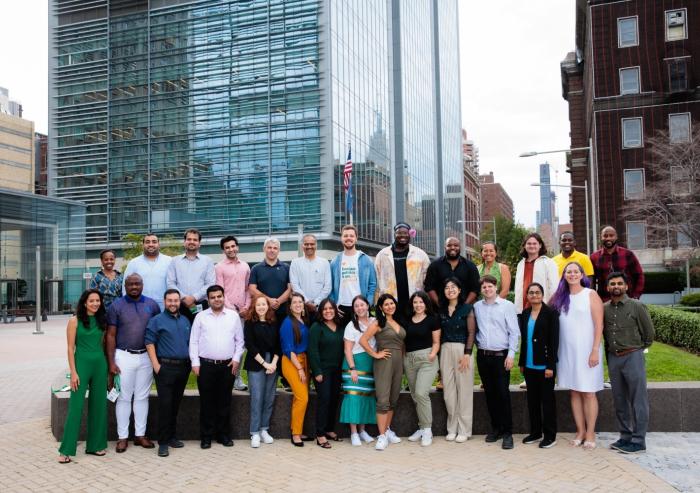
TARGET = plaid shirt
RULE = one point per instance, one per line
(622, 260)
(110, 289)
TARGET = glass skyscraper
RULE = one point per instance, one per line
(237, 116)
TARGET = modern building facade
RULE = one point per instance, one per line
(547, 215)
(16, 153)
(8, 106)
(495, 201)
(634, 74)
(238, 116)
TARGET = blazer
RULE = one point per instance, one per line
(545, 337)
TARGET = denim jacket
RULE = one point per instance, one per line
(368, 277)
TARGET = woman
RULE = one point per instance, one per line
(358, 375)
(388, 367)
(457, 337)
(534, 266)
(580, 352)
(263, 352)
(294, 338)
(539, 333)
(108, 280)
(326, 358)
(88, 371)
(420, 361)
(490, 266)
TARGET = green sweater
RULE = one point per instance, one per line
(325, 348)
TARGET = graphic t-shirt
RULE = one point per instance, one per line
(349, 279)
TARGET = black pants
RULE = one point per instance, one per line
(170, 384)
(215, 383)
(541, 404)
(496, 381)
(346, 316)
(328, 394)
(187, 313)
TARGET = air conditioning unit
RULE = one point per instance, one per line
(676, 19)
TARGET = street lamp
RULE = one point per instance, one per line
(490, 221)
(585, 188)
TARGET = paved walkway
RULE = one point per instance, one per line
(29, 365)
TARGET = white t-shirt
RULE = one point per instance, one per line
(352, 334)
(349, 279)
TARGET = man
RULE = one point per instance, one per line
(127, 319)
(270, 278)
(310, 275)
(452, 264)
(152, 266)
(627, 331)
(497, 341)
(233, 275)
(191, 274)
(216, 347)
(401, 268)
(352, 273)
(614, 258)
(567, 246)
(167, 343)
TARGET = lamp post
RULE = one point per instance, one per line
(585, 188)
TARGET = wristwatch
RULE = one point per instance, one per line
(352, 368)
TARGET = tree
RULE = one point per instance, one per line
(509, 237)
(669, 203)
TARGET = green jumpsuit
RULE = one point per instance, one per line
(91, 365)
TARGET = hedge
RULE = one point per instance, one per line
(675, 327)
(692, 299)
(664, 282)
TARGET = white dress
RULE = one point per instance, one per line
(576, 334)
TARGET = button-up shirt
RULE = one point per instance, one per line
(621, 260)
(154, 273)
(311, 278)
(627, 325)
(170, 334)
(131, 317)
(233, 276)
(191, 276)
(216, 336)
(111, 289)
(497, 326)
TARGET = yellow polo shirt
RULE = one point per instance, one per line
(576, 256)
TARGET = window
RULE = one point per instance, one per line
(634, 184)
(676, 25)
(636, 235)
(631, 132)
(679, 127)
(677, 74)
(629, 80)
(681, 184)
(683, 240)
(627, 32)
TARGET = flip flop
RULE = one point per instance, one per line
(64, 460)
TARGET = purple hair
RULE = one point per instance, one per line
(561, 298)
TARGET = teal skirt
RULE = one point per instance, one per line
(359, 403)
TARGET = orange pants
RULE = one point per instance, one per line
(299, 389)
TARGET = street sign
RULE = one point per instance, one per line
(87, 275)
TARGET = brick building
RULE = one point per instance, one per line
(634, 72)
(495, 201)
(470, 160)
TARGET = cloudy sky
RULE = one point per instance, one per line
(511, 87)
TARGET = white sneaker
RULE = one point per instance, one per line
(366, 437)
(355, 440)
(238, 384)
(451, 437)
(416, 436)
(391, 436)
(427, 437)
(255, 440)
(382, 443)
(461, 438)
(266, 437)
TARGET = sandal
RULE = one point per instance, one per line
(589, 445)
(575, 442)
(323, 444)
(64, 459)
(333, 437)
(99, 453)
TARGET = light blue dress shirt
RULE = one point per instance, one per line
(154, 274)
(497, 326)
(191, 277)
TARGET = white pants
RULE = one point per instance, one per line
(136, 378)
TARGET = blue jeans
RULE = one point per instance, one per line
(262, 399)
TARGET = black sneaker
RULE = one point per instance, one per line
(205, 443)
(225, 441)
(493, 437)
(532, 439)
(175, 443)
(548, 443)
(507, 442)
(632, 448)
(620, 443)
(163, 450)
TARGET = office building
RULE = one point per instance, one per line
(495, 201)
(472, 216)
(8, 106)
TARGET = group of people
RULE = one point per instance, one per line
(311, 321)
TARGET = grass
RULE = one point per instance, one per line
(664, 364)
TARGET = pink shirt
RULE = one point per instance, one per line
(233, 276)
(216, 336)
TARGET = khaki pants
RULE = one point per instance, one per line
(458, 389)
(420, 372)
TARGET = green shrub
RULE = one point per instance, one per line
(692, 299)
(676, 327)
(664, 282)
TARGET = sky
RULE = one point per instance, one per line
(510, 52)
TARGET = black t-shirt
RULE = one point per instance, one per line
(420, 335)
(440, 269)
(401, 279)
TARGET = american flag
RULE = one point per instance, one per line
(347, 183)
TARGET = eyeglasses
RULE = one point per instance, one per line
(534, 293)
